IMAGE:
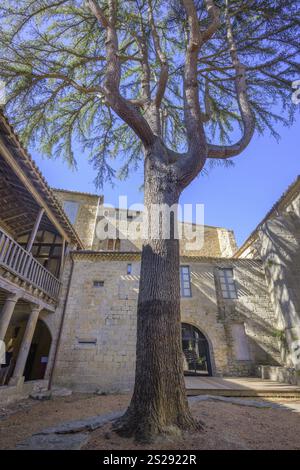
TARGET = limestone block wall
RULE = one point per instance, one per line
(98, 342)
(217, 242)
(227, 242)
(54, 320)
(215, 316)
(86, 216)
(254, 309)
(97, 349)
(280, 250)
(277, 243)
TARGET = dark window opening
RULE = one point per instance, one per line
(196, 354)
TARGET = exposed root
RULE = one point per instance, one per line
(149, 430)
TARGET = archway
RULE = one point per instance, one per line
(39, 352)
(195, 351)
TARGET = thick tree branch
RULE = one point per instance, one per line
(124, 109)
(221, 151)
(162, 58)
(197, 147)
(214, 17)
(146, 73)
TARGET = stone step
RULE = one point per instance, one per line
(267, 393)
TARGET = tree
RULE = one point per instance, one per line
(155, 81)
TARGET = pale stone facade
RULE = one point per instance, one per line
(98, 342)
(277, 242)
(85, 213)
(35, 234)
(68, 300)
(97, 349)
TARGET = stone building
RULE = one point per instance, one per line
(35, 235)
(68, 298)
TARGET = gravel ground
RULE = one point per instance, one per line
(21, 420)
(227, 426)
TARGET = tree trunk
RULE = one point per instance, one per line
(159, 404)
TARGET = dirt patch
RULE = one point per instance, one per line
(27, 417)
(226, 427)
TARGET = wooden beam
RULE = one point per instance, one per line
(12, 217)
(62, 259)
(35, 229)
(29, 186)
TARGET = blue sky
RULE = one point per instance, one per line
(237, 197)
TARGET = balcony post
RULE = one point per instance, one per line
(25, 345)
(62, 259)
(35, 229)
(6, 314)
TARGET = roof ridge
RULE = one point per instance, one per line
(85, 193)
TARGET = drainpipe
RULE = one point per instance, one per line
(61, 325)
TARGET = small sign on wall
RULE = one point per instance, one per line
(44, 359)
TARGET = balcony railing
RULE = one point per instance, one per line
(20, 262)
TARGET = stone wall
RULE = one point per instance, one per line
(97, 349)
(277, 242)
(213, 241)
(86, 216)
(54, 320)
(279, 246)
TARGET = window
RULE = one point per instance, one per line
(71, 209)
(185, 281)
(240, 342)
(227, 283)
(129, 268)
(98, 283)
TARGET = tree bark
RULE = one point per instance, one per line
(159, 404)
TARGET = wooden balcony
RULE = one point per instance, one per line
(22, 264)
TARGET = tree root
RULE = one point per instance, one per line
(149, 430)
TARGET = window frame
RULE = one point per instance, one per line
(227, 283)
(183, 281)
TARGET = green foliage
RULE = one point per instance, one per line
(280, 335)
(53, 61)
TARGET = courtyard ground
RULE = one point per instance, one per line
(227, 426)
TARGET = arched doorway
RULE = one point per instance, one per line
(39, 352)
(195, 351)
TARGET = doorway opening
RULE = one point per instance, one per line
(196, 353)
(38, 354)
